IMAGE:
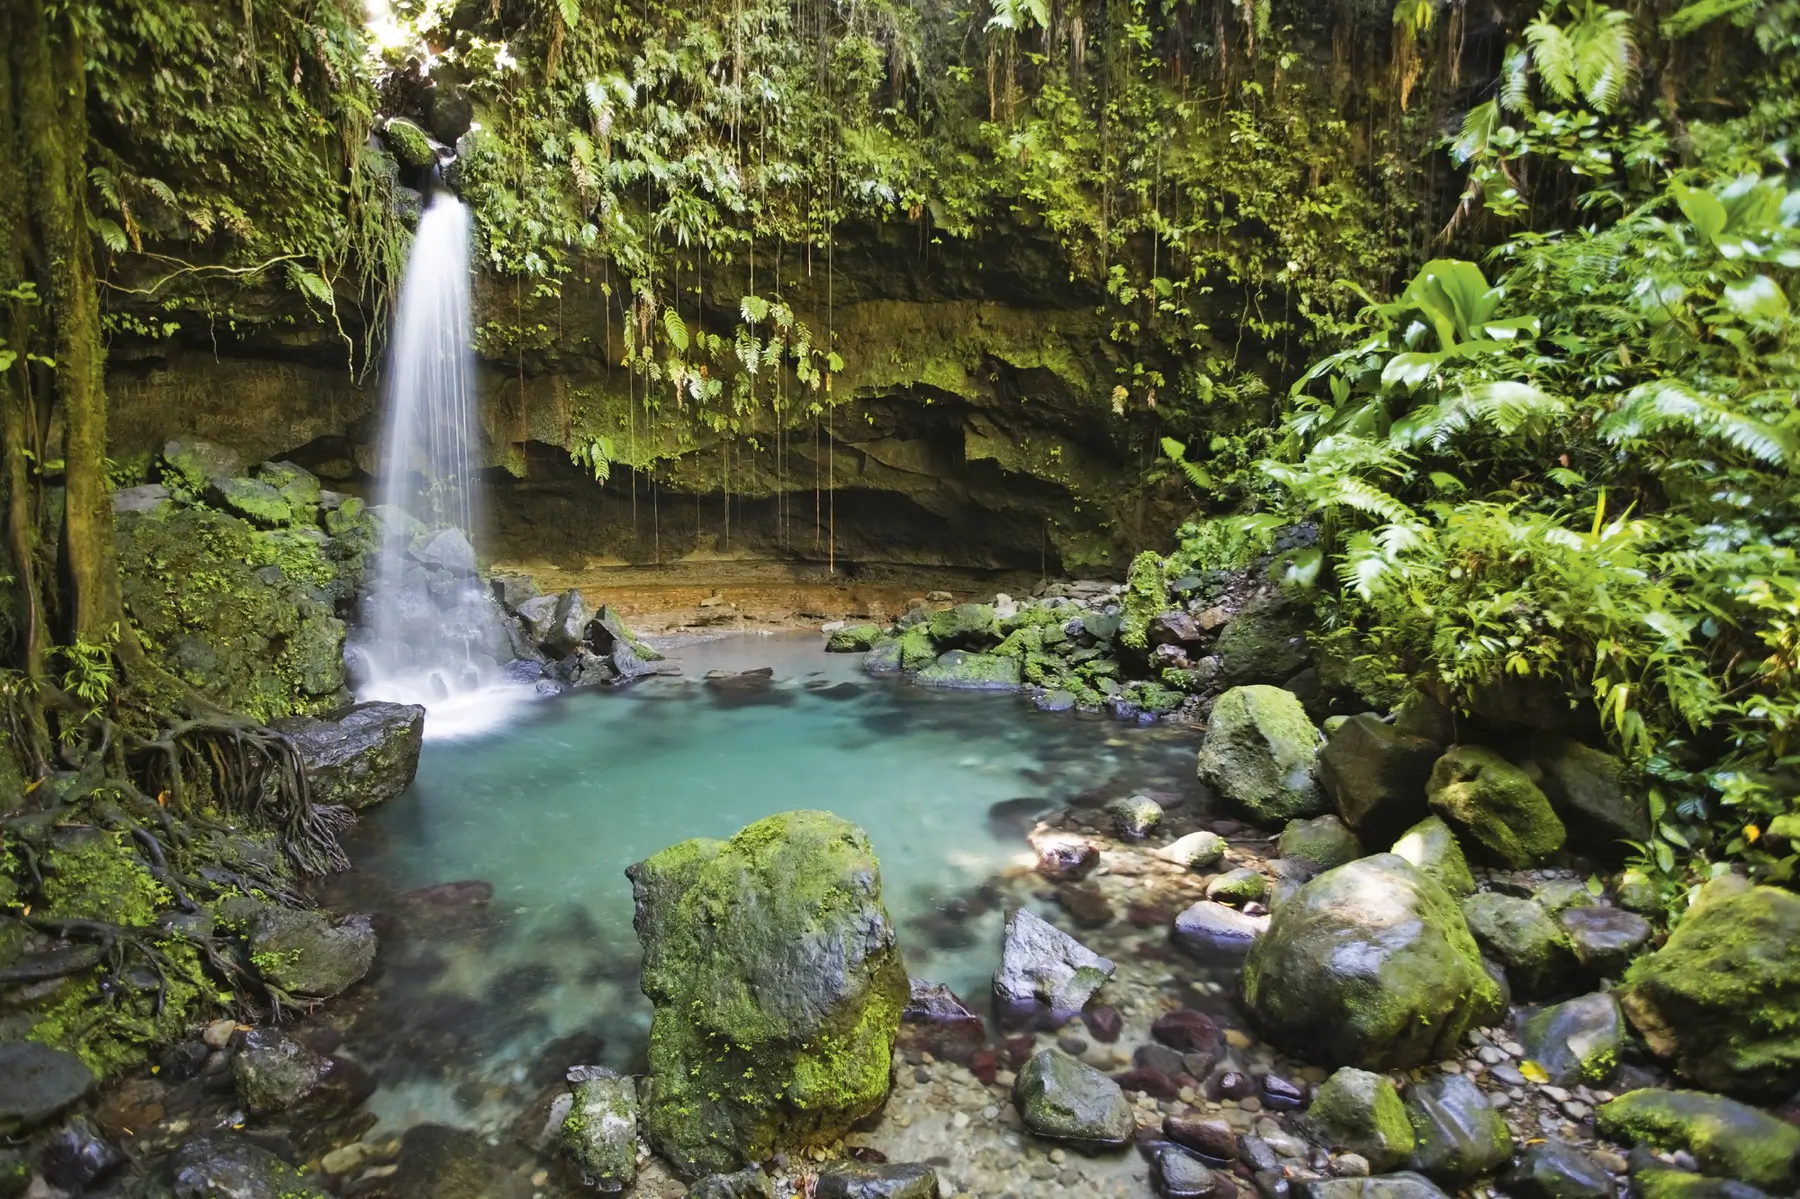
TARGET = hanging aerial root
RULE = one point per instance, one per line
(253, 772)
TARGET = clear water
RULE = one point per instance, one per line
(464, 1019)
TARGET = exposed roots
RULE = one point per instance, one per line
(253, 772)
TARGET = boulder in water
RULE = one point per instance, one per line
(854, 639)
(1046, 976)
(935, 1021)
(274, 1071)
(965, 626)
(224, 1165)
(1260, 752)
(600, 1131)
(1720, 996)
(447, 550)
(901, 1180)
(358, 756)
(777, 988)
(1369, 965)
(1064, 1099)
(1217, 935)
(960, 670)
(305, 953)
(1196, 851)
(1403, 1185)
(1495, 805)
(1557, 1171)
(75, 1156)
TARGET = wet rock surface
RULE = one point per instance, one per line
(361, 755)
(1067, 1100)
(1046, 976)
(37, 1082)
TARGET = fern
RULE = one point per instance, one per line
(676, 329)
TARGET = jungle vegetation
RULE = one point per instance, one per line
(1502, 303)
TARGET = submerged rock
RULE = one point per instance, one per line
(600, 1131)
(274, 1071)
(935, 1021)
(1136, 817)
(37, 1082)
(1358, 1111)
(1727, 1138)
(75, 1156)
(1260, 752)
(1180, 1175)
(748, 1183)
(1457, 1137)
(1376, 775)
(1720, 996)
(1495, 805)
(1046, 976)
(777, 988)
(1576, 1041)
(1064, 857)
(224, 1165)
(899, 1181)
(358, 756)
(1404, 1185)
(1063, 1099)
(1369, 965)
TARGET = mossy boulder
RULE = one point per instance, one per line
(1236, 888)
(1359, 1111)
(408, 143)
(960, 670)
(1135, 817)
(1727, 1138)
(916, 649)
(600, 1132)
(224, 1165)
(252, 499)
(190, 463)
(358, 756)
(1321, 843)
(853, 639)
(1260, 753)
(1523, 938)
(307, 953)
(965, 626)
(1376, 775)
(1495, 806)
(1434, 849)
(1369, 965)
(245, 616)
(777, 987)
(1721, 998)
(1266, 643)
(1577, 1040)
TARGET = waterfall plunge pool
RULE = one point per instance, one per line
(476, 1003)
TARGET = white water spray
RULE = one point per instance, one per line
(432, 634)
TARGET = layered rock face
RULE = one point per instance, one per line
(777, 985)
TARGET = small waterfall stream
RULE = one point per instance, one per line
(431, 634)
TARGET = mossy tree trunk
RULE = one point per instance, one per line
(48, 248)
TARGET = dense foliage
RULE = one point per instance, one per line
(1575, 486)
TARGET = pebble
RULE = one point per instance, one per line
(1555, 1094)
(1490, 1056)
(1575, 1109)
(218, 1033)
(1451, 1067)
(1350, 1165)
(1612, 1163)
(1513, 1048)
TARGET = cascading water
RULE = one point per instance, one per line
(431, 633)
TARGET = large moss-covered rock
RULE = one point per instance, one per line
(777, 988)
(1359, 1111)
(1433, 848)
(306, 953)
(1260, 753)
(1523, 938)
(1495, 806)
(1369, 965)
(1376, 775)
(223, 1165)
(1727, 1138)
(853, 639)
(1722, 996)
(966, 626)
(1266, 643)
(960, 670)
(245, 616)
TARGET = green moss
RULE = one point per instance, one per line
(1361, 1112)
(1144, 598)
(100, 877)
(1021, 643)
(1157, 699)
(117, 1032)
(1261, 752)
(966, 626)
(855, 639)
(1433, 848)
(408, 143)
(1496, 805)
(1726, 1137)
(916, 649)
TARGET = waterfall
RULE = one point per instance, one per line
(431, 633)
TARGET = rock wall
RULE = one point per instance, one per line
(971, 424)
